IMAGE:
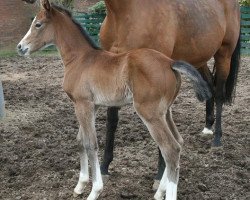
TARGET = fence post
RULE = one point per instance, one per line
(2, 106)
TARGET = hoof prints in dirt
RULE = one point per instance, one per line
(39, 153)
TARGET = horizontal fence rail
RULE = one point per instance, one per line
(92, 22)
(245, 30)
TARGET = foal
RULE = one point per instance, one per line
(94, 77)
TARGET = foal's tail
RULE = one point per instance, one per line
(201, 87)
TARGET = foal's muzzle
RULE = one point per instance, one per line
(22, 50)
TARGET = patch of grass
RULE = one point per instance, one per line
(46, 53)
(7, 53)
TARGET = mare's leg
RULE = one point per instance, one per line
(154, 119)
(112, 121)
(84, 173)
(161, 168)
(207, 75)
(85, 112)
(222, 64)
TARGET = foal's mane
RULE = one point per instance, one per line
(83, 31)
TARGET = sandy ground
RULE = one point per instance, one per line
(39, 153)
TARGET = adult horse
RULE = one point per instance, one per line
(191, 30)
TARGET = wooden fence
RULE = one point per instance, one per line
(91, 22)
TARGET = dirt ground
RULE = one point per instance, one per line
(39, 153)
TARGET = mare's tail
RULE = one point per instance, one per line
(201, 87)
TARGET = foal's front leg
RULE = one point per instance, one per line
(85, 112)
(84, 172)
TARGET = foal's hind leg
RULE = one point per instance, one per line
(179, 139)
(170, 150)
(156, 123)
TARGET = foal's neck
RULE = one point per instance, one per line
(69, 39)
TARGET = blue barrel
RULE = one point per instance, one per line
(1, 101)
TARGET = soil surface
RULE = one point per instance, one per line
(39, 152)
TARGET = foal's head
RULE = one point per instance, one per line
(49, 24)
(41, 32)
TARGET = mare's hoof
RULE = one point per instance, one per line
(156, 185)
(207, 131)
(105, 178)
(216, 144)
(216, 147)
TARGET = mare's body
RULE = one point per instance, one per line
(192, 30)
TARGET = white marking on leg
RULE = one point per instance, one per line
(172, 182)
(161, 191)
(171, 193)
(97, 185)
(207, 131)
(84, 173)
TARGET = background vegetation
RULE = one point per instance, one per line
(65, 3)
(245, 2)
(99, 7)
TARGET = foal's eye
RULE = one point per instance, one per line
(38, 25)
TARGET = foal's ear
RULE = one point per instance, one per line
(45, 4)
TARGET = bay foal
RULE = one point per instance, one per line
(189, 30)
(94, 77)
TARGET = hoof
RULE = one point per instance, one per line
(156, 185)
(217, 143)
(105, 178)
(79, 189)
(75, 195)
(207, 131)
(159, 196)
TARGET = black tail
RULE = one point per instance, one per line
(200, 86)
(233, 74)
